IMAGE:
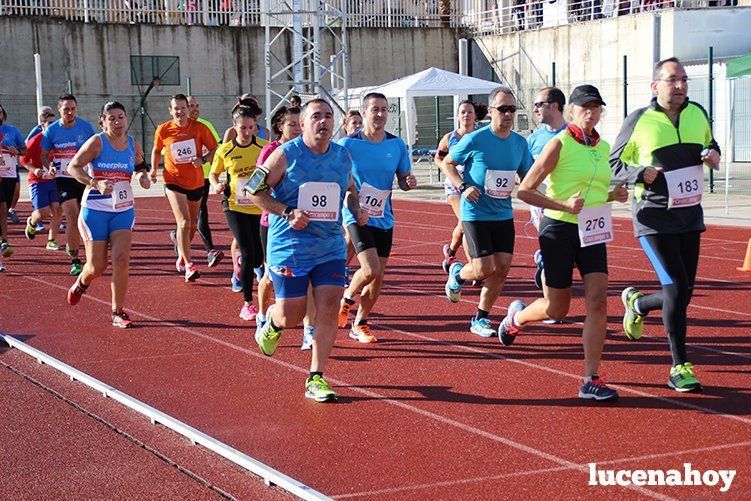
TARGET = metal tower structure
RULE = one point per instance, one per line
(308, 26)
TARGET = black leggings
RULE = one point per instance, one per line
(203, 218)
(674, 259)
(245, 229)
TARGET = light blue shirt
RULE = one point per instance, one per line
(539, 138)
(480, 152)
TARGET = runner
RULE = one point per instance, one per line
(108, 214)
(12, 146)
(42, 188)
(183, 138)
(661, 148)
(352, 122)
(492, 157)
(238, 159)
(548, 109)
(377, 157)
(574, 229)
(60, 142)
(44, 113)
(311, 178)
(466, 115)
(213, 255)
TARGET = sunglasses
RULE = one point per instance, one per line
(505, 108)
(540, 103)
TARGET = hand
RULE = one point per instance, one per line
(411, 181)
(362, 216)
(38, 172)
(299, 219)
(197, 163)
(103, 185)
(712, 159)
(472, 194)
(52, 171)
(152, 175)
(574, 204)
(144, 180)
(619, 193)
(650, 174)
(219, 188)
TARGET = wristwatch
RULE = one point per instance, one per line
(287, 212)
(462, 187)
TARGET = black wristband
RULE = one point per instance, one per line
(462, 187)
(287, 212)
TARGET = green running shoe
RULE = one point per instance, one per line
(318, 389)
(633, 322)
(30, 229)
(52, 245)
(76, 267)
(6, 249)
(267, 337)
(682, 378)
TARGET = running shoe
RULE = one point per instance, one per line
(453, 287)
(682, 378)
(30, 229)
(448, 259)
(173, 239)
(268, 337)
(344, 308)
(538, 271)
(2, 266)
(346, 276)
(507, 331)
(481, 327)
(180, 265)
(318, 389)
(121, 319)
(52, 245)
(260, 271)
(248, 312)
(6, 250)
(307, 338)
(76, 291)
(191, 273)
(76, 267)
(40, 226)
(237, 285)
(13, 216)
(214, 257)
(597, 389)
(633, 322)
(361, 333)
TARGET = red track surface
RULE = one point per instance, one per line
(431, 410)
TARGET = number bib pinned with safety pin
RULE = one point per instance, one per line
(373, 200)
(8, 164)
(242, 195)
(61, 164)
(595, 225)
(319, 200)
(122, 195)
(685, 186)
(183, 151)
(499, 183)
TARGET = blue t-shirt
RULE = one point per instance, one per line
(376, 164)
(64, 142)
(539, 138)
(33, 132)
(480, 152)
(298, 251)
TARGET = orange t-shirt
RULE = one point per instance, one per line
(180, 145)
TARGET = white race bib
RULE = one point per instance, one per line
(242, 196)
(685, 186)
(122, 195)
(8, 165)
(373, 200)
(499, 183)
(319, 200)
(183, 151)
(595, 225)
(61, 164)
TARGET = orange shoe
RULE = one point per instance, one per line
(361, 333)
(343, 313)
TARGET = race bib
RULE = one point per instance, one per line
(685, 186)
(499, 183)
(61, 164)
(242, 195)
(595, 225)
(183, 151)
(373, 200)
(122, 195)
(319, 200)
(8, 165)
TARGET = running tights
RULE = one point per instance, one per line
(674, 259)
(203, 219)
(245, 229)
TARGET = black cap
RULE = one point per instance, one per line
(584, 94)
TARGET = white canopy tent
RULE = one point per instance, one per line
(431, 82)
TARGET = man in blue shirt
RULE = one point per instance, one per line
(12, 147)
(60, 142)
(377, 157)
(492, 157)
(312, 179)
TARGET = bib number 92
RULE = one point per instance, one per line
(501, 182)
